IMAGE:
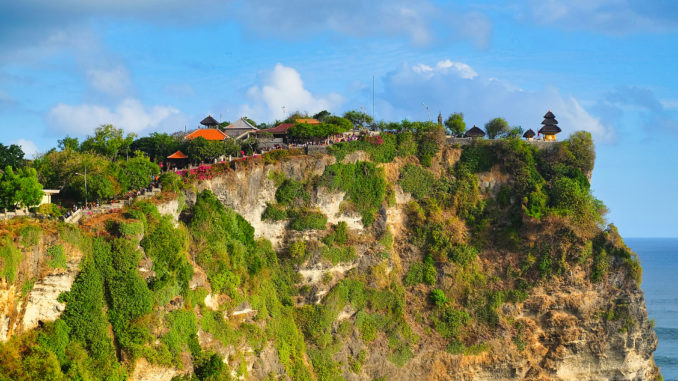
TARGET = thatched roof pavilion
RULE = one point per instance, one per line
(529, 134)
(474, 132)
(550, 128)
(209, 122)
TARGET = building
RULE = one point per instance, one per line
(529, 135)
(177, 160)
(474, 132)
(210, 132)
(550, 128)
(47, 196)
(240, 129)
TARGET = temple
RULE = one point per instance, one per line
(550, 128)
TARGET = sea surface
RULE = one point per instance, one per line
(659, 259)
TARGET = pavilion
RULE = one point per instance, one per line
(210, 132)
(529, 135)
(474, 133)
(550, 128)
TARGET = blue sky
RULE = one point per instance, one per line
(606, 66)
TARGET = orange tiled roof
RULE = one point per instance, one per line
(307, 121)
(207, 133)
(177, 155)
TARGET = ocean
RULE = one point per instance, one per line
(659, 259)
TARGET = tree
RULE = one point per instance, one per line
(68, 143)
(322, 115)
(157, 146)
(455, 124)
(136, 173)
(30, 190)
(515, 132)
(108, 141)
(203, 150)
(250, 121)
(316, 131)
(11, 155)
(358, 118)
(583, 156)
(20, 189)
(496, 127)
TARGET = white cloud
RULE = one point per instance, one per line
(28, 146)
(115, 81)
(450, 86)
(283, 87)
(130, 115)
(461, 69)
(609, 16)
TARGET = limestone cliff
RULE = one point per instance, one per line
(380, 301)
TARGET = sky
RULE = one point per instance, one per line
(605, 66)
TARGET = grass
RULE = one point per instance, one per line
(57, 256)
(11, 258)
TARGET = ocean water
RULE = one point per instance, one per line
(659, 259)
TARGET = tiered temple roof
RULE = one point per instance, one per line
(550, 124)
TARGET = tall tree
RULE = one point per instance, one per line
(455, 124)
(20, 188)
(322, 115)
(108, 141)
(157, 145)
(68, 143)
(11, 155)
(358, 118)
(496, 127)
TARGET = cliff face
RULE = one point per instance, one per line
(569, 332)
(360, 313)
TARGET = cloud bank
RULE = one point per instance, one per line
(130, 115)
(450, 86)
(283, 87)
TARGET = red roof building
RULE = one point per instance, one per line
(207, 133)
(177, 155)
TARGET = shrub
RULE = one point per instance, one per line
(417, 181)
(450, 321)
(339, 236)
(308, 220)
(463, 254)
(11, 258)
(131, 229)
(171, 182)
(337, 255)
(298, 249)
(51, 210)
(437, 297)
(428, 144)
(57, 257)
(30, 235)
(274, 212)
(478, 157)
(415, 275)
(364, 184)
(292, 192)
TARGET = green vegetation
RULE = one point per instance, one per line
(363, 183)
(58, 258)
(307, 220)
(465, 250)
(11, 258)
(19, 189)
